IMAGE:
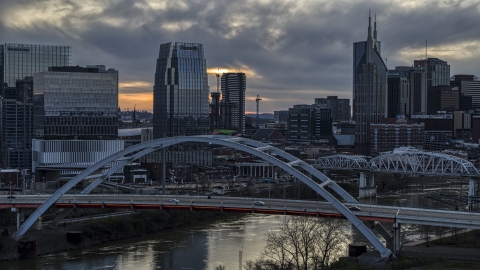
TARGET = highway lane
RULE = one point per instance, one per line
(402, 215)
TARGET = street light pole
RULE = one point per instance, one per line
(10, 187)
(43, 180)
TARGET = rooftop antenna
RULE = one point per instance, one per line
(375, 28)
(426, 47)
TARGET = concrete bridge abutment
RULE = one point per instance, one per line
(367, 188)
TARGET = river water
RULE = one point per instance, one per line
(204, 245)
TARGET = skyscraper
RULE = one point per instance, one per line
(438, 71)
(18, 63)
(468, 87)
(398, 94)
(418, 88)
(369, 95)
(233, 91)
(180, 92)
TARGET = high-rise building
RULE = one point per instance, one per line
(76, 103)
(340, 107)
(398, 94)
(180, 92)
(418, 88)
(442, 98)
(468, 87)
(438, 71)
(233, 90)
(369, 95)
(18, 63)
(215, 111)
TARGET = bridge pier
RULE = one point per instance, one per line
(473, 191)
(367, 190)
(397, 240)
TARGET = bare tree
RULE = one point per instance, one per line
(303, 243)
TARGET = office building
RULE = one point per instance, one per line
(398, 94)
(468, 87)
(442, 98)
(76, 103)
(369, 95)
(438, 71)
(417, 78)
(233, 91)
(340, 107)
(180, 92)
(308, 123)
(18, 63)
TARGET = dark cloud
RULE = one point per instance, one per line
(299, 50)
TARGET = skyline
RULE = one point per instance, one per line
(290, 46)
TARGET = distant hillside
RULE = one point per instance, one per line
(261, 115)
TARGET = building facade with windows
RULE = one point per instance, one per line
(233, 91)
(18, 63)
(370, 92)
(76, 103)
(180, 92)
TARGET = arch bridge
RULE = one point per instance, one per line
(266, 152)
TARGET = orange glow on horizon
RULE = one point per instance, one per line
(142, 102)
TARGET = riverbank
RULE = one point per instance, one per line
(50, 240)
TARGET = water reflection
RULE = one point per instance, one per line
(201, 246)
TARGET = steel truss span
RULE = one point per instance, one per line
(255, 148)
(406, 162)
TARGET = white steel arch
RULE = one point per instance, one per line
(258, 149)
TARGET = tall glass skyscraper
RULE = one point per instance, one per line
(18, 63)
(180, 92)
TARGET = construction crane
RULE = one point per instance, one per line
(258, 106)
(218, 80)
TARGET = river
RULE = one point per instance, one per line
(204, 245)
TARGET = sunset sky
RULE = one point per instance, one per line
(291, 51)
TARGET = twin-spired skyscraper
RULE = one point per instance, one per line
(369, 88)
(180, 92)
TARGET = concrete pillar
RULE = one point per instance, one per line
(362, 181)
(471, 192)
(250, 171)
(372, 179)
(263, 171)
(396, 238)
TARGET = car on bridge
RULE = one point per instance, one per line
(355, 208)
(11, 197)
(174, 201)
(258, 203)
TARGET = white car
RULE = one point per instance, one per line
(258, 203)
(174, 201)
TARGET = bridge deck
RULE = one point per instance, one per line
(245, 205)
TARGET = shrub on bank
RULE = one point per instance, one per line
(140, 223)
